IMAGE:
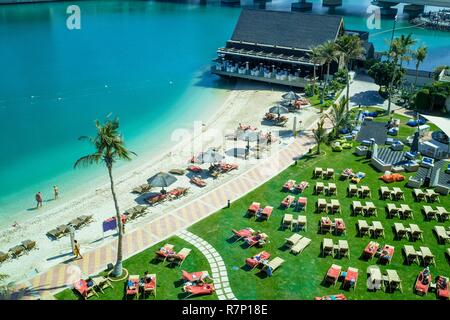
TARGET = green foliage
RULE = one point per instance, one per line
(341, 76)
(311, 90)
(438, 70)
(432, 97)
(382, 73)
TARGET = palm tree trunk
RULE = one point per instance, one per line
(417, 74)
(118, 266)
(391, 83)
(314, 80)
(348, 88)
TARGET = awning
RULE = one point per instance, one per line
(442, 122)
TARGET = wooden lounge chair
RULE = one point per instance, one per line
(301, 187)
(357, 208)
(377, 229)
(321, 205)
(392, 210)
(344, 250)
(319, 188)
(352, 190)
(84, 289)
(442, 213)
(149, 285)
(101, 283)
(329, 173)
(165, 252)
(410, 254)
(3, 256)
(17, 251)
(287, 201)
(318, 172)
(272, 265)
(333, 274)
(429, 212)
(179, 257)
(253, 208)
(55, 234)
(327, 247)
(198, 289)
(198, 182)
(363, 228)
(300, 245)
(422, 283)
(441, 234)
(177, 171)
(376, 279)
(325, 224)
(142, 188)
(301, 223)
(432, 195)
(364, 192)
(400, 230)
(385, 193)
(351, 278)
(397, 193)
(371, 249)
(266, 213)
(29, 245)
(415, 232)
(339, 226)
(427, 256)
(332, 189)
(406, 211)
(393, 281)
(259, 239)
(243, 233)
(132, 287)
(287, 221)
(292, 240)
(258, 259)
(370, 209)
(419, 195)
(387, 253)
(289, 185)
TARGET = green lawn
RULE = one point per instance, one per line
(169, 286)
(300, 277)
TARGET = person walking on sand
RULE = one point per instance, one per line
(39, 200)
(56, 192)
(76, 250)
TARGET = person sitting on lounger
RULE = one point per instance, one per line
(425, 274)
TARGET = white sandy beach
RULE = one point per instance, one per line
(246, 104)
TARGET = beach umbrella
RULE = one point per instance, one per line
(415, 143)
(279, 109)
(249, 136)
(162, 180)
(209, 156)
(291, 95)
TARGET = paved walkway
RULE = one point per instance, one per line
(61, 276)
(218, 268)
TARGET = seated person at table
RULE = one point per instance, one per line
(146, 278)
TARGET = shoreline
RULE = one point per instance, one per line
(246, 103)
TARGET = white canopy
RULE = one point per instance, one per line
(441, 122)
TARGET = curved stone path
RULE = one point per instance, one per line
(218, 268)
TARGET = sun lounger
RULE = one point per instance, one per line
(333, 274)
(377, 229)
(363, 228)
(357, 208)
(410, 254)
(321, 205)
(85, 288)
(266, 213)
(334, 206)
(393, 281)
(406, 211)
(375, 278)
(55, 234)
(149, 285)
(132, 287)
(287, 221)
(253, 208)
(17, 251)
(195, 277)
(427, 256)
(332, 189)
(392, 210)
(227, 167)
(370, 209)
(259, 239)
(165, 251)
(243, 233)
(198, 182)
(385, 193)
(371, 249)
(422, 283)
(397, 193)
(292, 240)
(272, 265)
(29, 244)
(319, 188)
(429, 212)
(329, 173)
(432, 196)
(287, 201)
(289, 185)
(318, 172)
(364, 191)
(419, 195)
(442, 213)
(442, 284)
(301, 187)
(346, 173)
(302, 203)
(177, 171)
(387, 253)
(415, 232)
(3, 256)
(343, 249)
(177, 192)
(257, 259)
(199, 289)
(351, 278)
(300, 245)
(178, 258)
(325, 224)
(327, 247)
(301, 223)
(352, 190)
(142, 188)
(339, 226)
(400, 231)
(195, 169)
(156, 198)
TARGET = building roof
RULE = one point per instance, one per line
(286, 29)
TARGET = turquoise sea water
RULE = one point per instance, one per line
(146, 62)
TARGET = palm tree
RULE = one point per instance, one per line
(338, 116)
(349, 47)
(320, 134)
(398, 52)
(329, 54)
(109, 147)
(316, 58)
(419, 55)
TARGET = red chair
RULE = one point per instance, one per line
(198, 276)
(422, 283)
(387, 253)
(257, 259)
(259, 238)
(200, 289)
(302, 186)
(81, 286)
(333, 274)
(351, 278)
(195, 169)
(371, 249)
(442, 287)
(164, 252)
(332, 297)
(266, 212)
(132, 289)
(287, 202)
(150, 285)
(243, 233)
(254, 208)
(289, 185)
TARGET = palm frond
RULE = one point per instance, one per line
(88, 160)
